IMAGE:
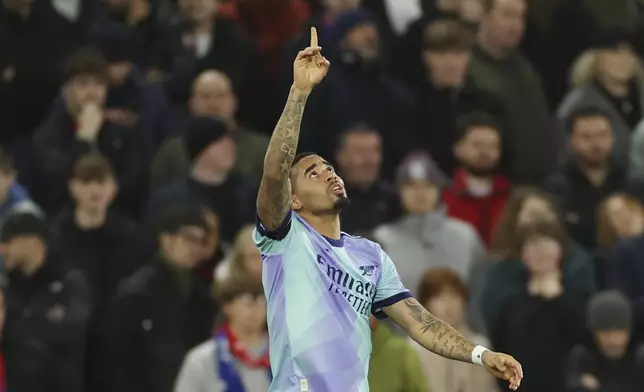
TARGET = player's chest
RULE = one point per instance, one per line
(349, 278)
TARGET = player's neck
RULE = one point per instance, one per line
(328, 224)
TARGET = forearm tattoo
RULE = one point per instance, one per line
(437, 336)
(274, 197)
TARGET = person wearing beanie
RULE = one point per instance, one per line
(211, 181)
(425, 236)
(48, 311)
(612, 363)
(359, 89)
(213, 96)
(132, 100)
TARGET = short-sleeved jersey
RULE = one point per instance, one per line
(320, 294)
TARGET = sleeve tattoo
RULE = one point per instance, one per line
(436, 335)
(274, 196)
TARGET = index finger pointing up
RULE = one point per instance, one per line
(314, 37)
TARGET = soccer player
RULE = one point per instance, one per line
(322, 284)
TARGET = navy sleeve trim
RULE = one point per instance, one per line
(279, 233)
(377, 307)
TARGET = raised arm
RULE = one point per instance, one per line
(274, 197)
(440, 338)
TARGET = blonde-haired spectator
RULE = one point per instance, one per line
(244, 257)
(611, 77)
(445, 295)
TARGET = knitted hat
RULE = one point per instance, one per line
(609, 310)
(24, 224)
(347, 21)
(201, 132)
(419, 166)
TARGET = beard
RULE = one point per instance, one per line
(478, 171)
(342, 203)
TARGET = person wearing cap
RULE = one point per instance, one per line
(612, 363)
(48, 311)
(77, 126)
(160, 312)
(425, 236)
(236, 357)
(608, 76)
(131, 99)
(211, 181)
(212, 95)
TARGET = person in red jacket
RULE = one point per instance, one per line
(478, 193)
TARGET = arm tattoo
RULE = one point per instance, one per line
(436, 335)
(274, 197)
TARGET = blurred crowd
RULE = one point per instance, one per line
(494, 148)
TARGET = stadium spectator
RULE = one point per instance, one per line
(48, 310)
(425, 236)
(589, 176)
(609, 76)
(213, 254)
(445, 295)
(478, 193)
(358, 88)
(619, 216)
(236, 358)
(212, 95)
(373, 200)
(157, 314)
(243, 258)
(610, 364)
(131, 100)
(503, 83)
(534, 302)
(210, 182)
(13, 195)
(197, 39)
(92, 238)
(3, 314)
(446, 55)
(76, 126)
(394, 366)
(526, 205)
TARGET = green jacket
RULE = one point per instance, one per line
(394, 366)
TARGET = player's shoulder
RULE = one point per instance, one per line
(362, 242)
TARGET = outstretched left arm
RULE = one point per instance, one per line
(429, 331)
(439, 337)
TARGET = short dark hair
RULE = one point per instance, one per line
(447, 35)
(86, 61)
(356, 128)
(236, 285)
(92, 167)
(6, 161)
(173, 218)
(301, 156)
(477, 119)
(584, 112)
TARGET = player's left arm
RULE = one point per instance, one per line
(394, 300)
(441, 338)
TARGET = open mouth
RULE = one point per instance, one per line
(337, 188)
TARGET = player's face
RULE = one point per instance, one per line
(317, 188)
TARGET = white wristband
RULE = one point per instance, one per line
(477, 355)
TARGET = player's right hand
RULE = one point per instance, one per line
(310, 66)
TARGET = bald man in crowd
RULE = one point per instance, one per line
(212, 95)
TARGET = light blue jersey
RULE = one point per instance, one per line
(320, 293)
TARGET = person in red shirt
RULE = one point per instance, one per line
(478, 193)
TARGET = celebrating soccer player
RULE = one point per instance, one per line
(322, 284)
